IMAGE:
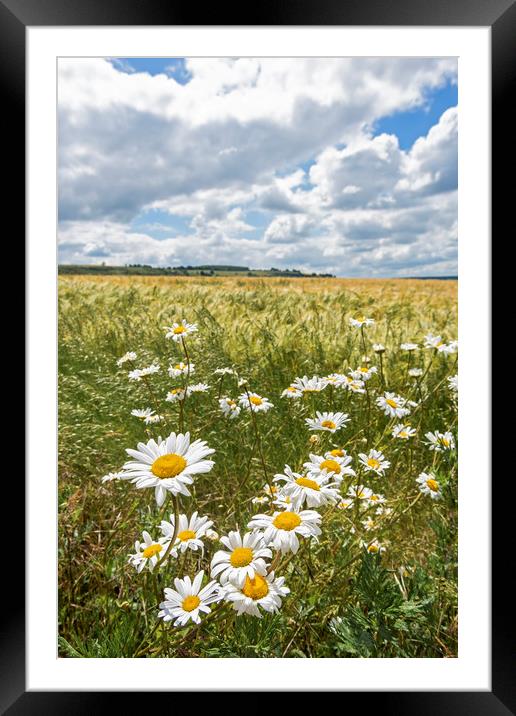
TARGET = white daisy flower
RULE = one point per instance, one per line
(270, 490)
(285, 502)
(224, 371)
(175, 394)
(152, 419)
(148, 553)
(189, 532)
(130, 355)
(393, 405)
(331, 466)
(260, 500)
(281, 529)
(168, 465)
(410, 347)
(265, 592)
(245, 558)
(369, 524)
(428, 485)
(334, 379)
(360, 321)
(327, 421)
(291, 392)
(181, 368)
(363, 372)
(197, 388)
(344, 504)
(309, 385)
(187, 601)
(415, 372)
(374, 461)
(138, 373)
(313, 490)
(440, 441)
(111, 476)
(145, 413)
(379, 348)
(376, 499)
(403, 432)
(373, 547)
(432, 341)
(178, 331)
(212, 535)
(255, 402)
(453, 383)
(229, 407)
(359, 492)
(451, 347)
(352, 384)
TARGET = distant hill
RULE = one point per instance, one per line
(205, 270)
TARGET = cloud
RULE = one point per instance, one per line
(265, 160)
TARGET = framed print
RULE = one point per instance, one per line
(254, 251)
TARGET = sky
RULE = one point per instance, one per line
(330, 165)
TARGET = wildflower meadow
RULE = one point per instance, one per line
(257, 467)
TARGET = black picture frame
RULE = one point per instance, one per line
(500, 16)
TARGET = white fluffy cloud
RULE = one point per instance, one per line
(266, 162)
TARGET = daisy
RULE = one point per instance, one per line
(167, 465)
(360, 321)
(145, 413)
(260, 500)
(148, 553)
(281, 529)
(373, 547)
(175, 394)
(244, 560)
(428, 485)
(212, 535)
(379, 348)
(393, 405)
(152, 419)
(254, 402)
(312, 490)
(335, 379)
(266, 592)
(331, 466)
(352, 384)
(374, 461)
(197, 388)
(130, 355)
(229, 407)
(291, 392)
(359, 492)
(369, 524)
(432, 341)
(327, 421)
(189, 532)
(181, 368)
(309, 385)
(410, 347)
(415, 372)
(140, 373)
(178, 331)
(224, 371)
(363, 372)
(403, 432)
(188, 600)
(453, 383)
(440, 441)
(283, 501)
(376, 499)
(344, 504)
(111, 476)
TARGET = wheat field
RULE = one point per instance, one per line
(345, 599)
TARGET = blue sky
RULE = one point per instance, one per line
(346, 166)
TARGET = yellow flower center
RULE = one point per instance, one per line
(256, 588)
(241, 557)
(255, 400)
(374, 463)
(287, 521)
(168, 465)
(328, 424)
(179, 329)
(330, 466)
(433, 485)
(338, 452)
(403, 434)
(373, 548)
(363, 370)
(179, 366)
(392, 403)
(306, 482)
(190, 603)
(151, 550)
(445, 442)
(185, 535)
(374, 498)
